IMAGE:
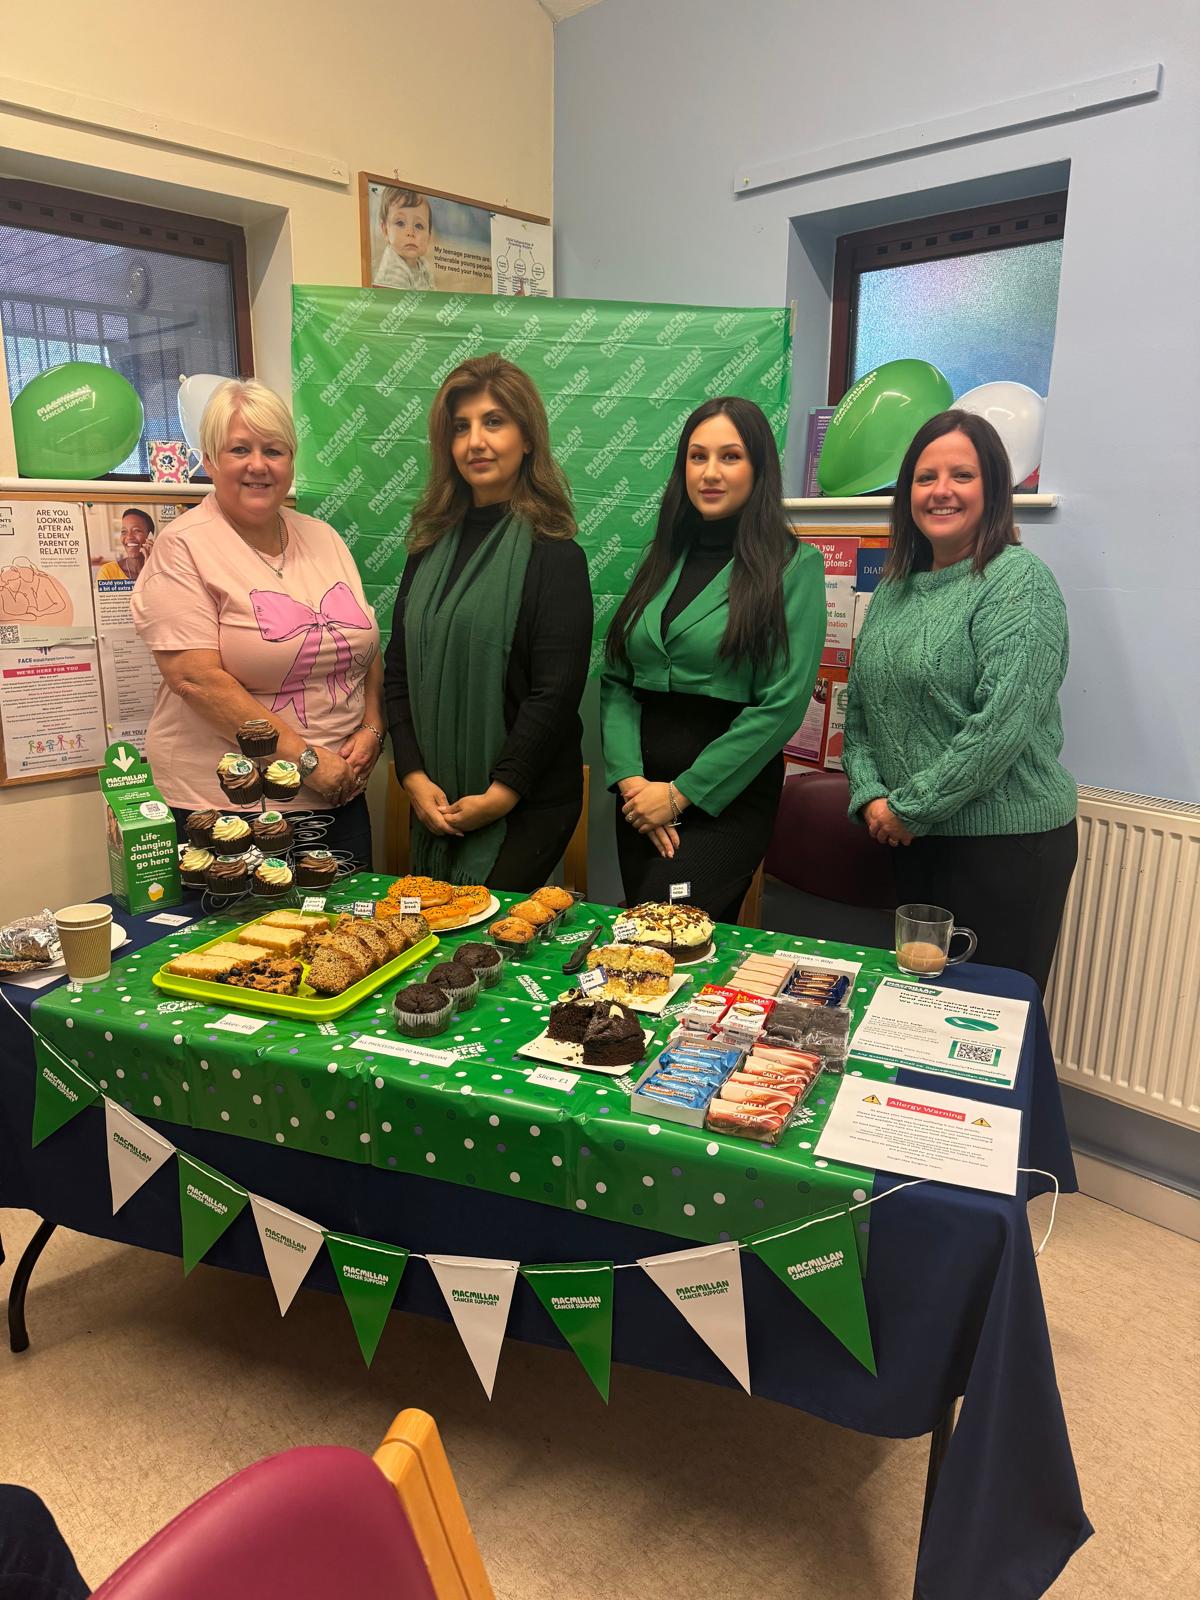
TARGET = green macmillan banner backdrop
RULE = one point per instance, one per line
(618, 380)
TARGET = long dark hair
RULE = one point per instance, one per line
(910, 550)
(541, 494)
(756, 631)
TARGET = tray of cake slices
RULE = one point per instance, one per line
(588, 1031)
(309, 965)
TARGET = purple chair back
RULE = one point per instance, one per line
(310, 1523)
(815, 847)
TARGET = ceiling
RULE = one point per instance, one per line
(559, 9)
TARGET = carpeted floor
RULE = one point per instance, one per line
(142, 1389)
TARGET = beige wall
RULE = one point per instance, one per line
(457, 97)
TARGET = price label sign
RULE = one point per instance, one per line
(232, 1024)
(410, 905)
(547, 1078)
(591, 981)
(623, 928)
(363, 908)
(679, 891)
(313, 902)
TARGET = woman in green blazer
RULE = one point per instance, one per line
(711, 659)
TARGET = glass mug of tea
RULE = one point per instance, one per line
(923, 938)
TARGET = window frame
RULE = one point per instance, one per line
(952, 233)
(104, 220)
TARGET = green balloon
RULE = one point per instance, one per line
(875, 424)
(75, 421)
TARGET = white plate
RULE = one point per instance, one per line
(562, 1053)
(489, 910)
(37, 976)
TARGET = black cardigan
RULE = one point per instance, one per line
(541, 757)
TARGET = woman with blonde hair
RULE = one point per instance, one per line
(256, 612)
(490, 640)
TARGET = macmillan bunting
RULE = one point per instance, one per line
(579, 1299)
(208, 1203)
(705, 1286)
(818, 1260)
(60, 1093)
(368, 1274)
(135, 1152)
(479, 1293)
(289, 1243)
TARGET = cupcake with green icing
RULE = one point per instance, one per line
(239, 778)
(272, 878)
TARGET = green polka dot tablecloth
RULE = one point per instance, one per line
(332, 1090)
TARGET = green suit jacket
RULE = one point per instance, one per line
(687, 662)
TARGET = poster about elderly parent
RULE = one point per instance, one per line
(50, 710)
(44, 587)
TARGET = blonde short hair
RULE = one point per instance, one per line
(260, 408)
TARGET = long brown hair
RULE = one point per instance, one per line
(910, 550)
(541, 494)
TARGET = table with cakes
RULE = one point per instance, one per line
(539, 1078)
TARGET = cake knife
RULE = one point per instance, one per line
(580, 955)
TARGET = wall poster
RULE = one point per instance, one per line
(414, 237)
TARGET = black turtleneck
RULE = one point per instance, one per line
(710, 549)
(547, 666)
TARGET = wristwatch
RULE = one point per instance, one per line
(307, 763)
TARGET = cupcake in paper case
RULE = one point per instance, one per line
(256, 737)
(194, 862)
(459, 982)
(231, 835)
(273, 877)
(281, 781)
(484, 960)
(240, 780)
(228, 875)
(199, 826)
(421, 1010)
(315, 869)
(272, 831)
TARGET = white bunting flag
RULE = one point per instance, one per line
(705, 1285)
(290, 1244)
(135, 1152)
(478, 1292)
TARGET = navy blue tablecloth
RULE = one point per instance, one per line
(952, 1293)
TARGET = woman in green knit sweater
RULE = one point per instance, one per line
(953, 729)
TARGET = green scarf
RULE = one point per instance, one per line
(457, 647)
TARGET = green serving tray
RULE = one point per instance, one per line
(308, 1007)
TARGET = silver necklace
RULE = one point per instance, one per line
(266, 560)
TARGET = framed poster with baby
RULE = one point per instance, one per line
(414, 237)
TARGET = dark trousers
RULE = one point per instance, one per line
(1010, 888)
(534, 841)
(347, 831)
(35, 1560)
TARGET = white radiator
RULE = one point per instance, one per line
(1124, 996)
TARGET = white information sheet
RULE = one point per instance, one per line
(976, 1037)
(50, 709)
(522, 256)
(920, 1134)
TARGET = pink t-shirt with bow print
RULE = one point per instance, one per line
(300, 644)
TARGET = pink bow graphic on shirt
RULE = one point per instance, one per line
(280, 617)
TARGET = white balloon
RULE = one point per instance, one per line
(194, 394)
(1018, 415)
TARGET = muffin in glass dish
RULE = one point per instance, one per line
(421, 1010)
(554, 899)
(460, 982)
(484, 960)
(512, 934)
(540, 917)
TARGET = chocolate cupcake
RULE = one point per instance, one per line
(273, 878)
(272, 832)
(484, 960)
(256, 737)
(281, 780)
(240, 779)
(228, 875)
(199, 826)
(459, 982)
(231, 835)
(315, 869)
(193, 866)
(421, 1010)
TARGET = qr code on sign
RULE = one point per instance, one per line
(9, 633)
(985, 1055)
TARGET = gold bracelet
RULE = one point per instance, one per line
(676, 814)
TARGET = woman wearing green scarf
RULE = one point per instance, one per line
(490, 639)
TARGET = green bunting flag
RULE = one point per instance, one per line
(60, 1094)
(368, 1274)
(819, 1263)
(208, 1203)
(579, 1297)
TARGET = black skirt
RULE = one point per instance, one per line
(718, 856)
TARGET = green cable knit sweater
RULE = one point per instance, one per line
(952, 712)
